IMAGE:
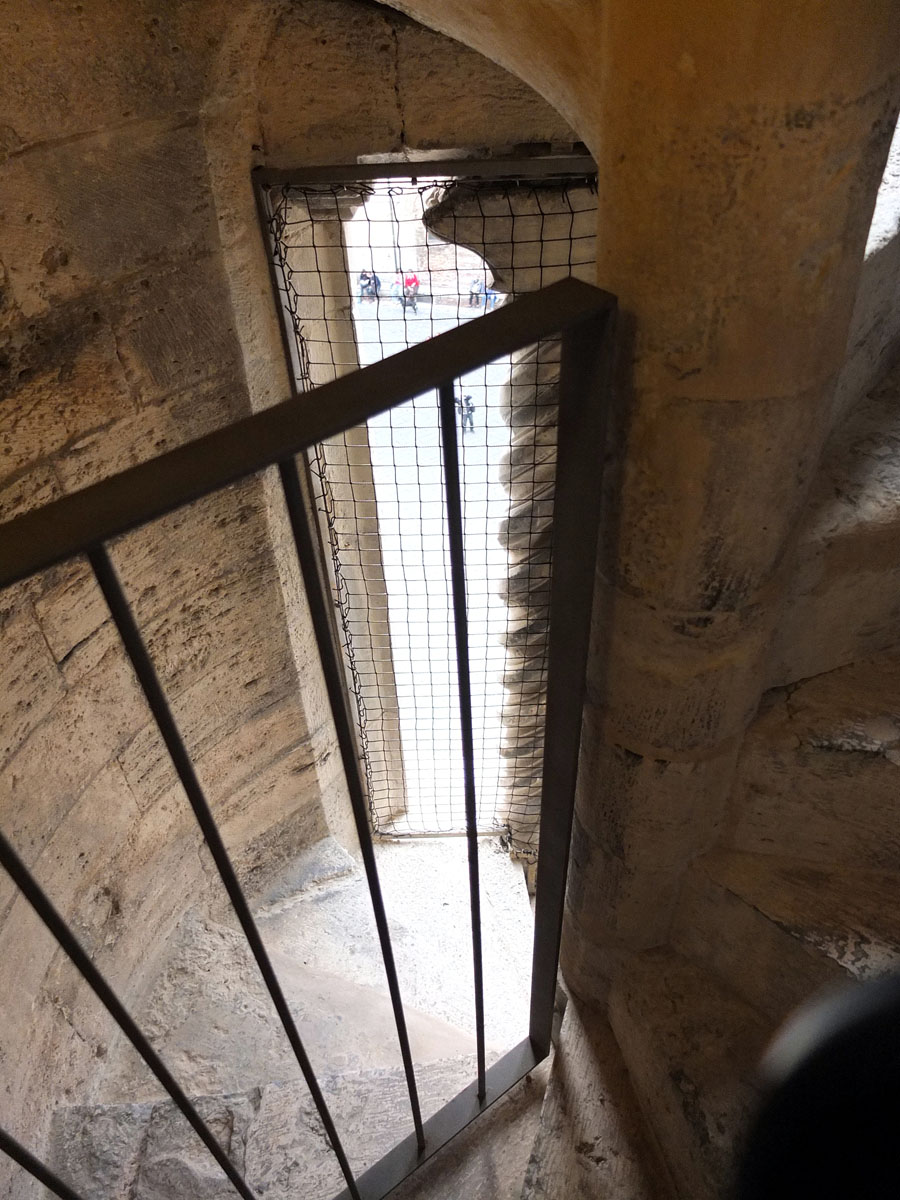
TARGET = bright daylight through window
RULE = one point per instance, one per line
(368, 269)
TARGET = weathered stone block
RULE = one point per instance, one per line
(32, 684)
(778, 929)
(62, 380)
(89, 724)
(35, 486)
(841, 580)
(649, 810)
(716, 547)
(152, 431)
(329, 122)
(614, 903)
(98, 1150)
(817, 774)
(175, 1162)
(139, 67)
(674, 684)
(591, 1141)
(132, 199)
(71, 609)
(174, 331)
(435, 76)
(691, 1048)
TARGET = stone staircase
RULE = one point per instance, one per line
(691, 1046)
(210, 1019)
(779, 929)
(593, 1141)
(272, 1133)
(647, 1101)
(843, 601)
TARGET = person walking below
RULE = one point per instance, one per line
(410, 289)
(466, 413)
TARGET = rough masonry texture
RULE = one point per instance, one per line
(740, 730)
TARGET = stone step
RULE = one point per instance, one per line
(592, 1140)
(489, 1158)
(323, 866)
(691, 1047)
(272, 1133)
(777, 930)
(210, 1018)
(819, 770)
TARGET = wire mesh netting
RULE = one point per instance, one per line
(366, 270)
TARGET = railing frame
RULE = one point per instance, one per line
(82, 524)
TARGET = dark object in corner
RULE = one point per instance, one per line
(829, 1122)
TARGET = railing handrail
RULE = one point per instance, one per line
(87, 518)
(84, 522)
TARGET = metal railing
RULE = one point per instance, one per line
(82, 524)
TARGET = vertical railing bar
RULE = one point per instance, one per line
(184, 767)
(35, 1167)
(335, 684)
(44, 908)
(460, 621)
(584, 391)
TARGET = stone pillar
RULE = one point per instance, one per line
(740, 156)
(740, 149)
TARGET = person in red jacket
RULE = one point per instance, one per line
(410, 289)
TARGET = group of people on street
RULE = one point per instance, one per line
(477, 289)
(405, 288)
(369, 286)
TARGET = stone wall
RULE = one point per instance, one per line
(136, 314)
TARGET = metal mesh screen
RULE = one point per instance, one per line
(366, 270)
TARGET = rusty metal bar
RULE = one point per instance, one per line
(525, 169)
(44, 908)
(181, 760)
(343, 723)
(585, 380)
(57, 531)
(450, 450)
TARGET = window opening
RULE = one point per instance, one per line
(368, 268)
